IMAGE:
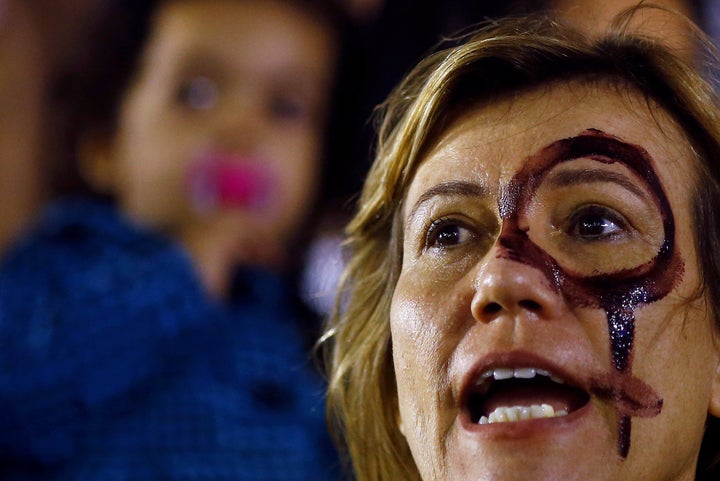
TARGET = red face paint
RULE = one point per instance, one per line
(618, 293)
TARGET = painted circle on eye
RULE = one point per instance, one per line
(617, 286)
(647, 275)
(594, 217)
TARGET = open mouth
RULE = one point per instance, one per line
(504, 395)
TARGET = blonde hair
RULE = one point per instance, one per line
(501, 57)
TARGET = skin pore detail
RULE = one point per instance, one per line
(643, 279)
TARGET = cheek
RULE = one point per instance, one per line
(297, 162)
(299, 181)
(411, 342)
(148, 157)
(676, 355)
(297, 185)
(169, 164)
(425, 333)
(676, 336)
(418, 375)
(675, 341)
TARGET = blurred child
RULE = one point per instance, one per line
(154, 335)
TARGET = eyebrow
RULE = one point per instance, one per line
(450, 188)
(583, 176)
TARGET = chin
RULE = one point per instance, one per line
(581, 446)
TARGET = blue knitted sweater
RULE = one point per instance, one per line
(115, 366)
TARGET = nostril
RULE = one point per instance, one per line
(530, 305)
(492, 308)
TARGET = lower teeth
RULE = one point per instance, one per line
(520, 413)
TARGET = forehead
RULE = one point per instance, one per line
(266, 34)
(490, 143)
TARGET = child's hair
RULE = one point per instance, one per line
(90, 88)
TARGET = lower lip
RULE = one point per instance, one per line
(527, 428)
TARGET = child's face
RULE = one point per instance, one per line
(224, 117)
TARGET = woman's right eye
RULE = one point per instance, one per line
(447, 233)
(198, 93)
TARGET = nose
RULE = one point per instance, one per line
(239, 121)
(510, 287)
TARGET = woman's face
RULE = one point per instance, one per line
(546, 323)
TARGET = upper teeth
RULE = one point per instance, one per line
(517, 413)
(500, 373)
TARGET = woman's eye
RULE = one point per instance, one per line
(595, 223)
(445, 233)
(198, 93)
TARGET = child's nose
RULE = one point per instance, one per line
(240, 122)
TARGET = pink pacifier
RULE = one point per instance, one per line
(227, 181)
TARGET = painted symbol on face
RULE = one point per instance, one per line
(618, 284)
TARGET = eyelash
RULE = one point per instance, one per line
(435, 229)
(606, 214)
(596, 217)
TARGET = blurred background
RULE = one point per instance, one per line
(39, 40)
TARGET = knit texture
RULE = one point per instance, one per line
(115, 366)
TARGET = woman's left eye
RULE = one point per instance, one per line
(595, 223)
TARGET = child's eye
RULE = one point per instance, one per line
(288, 108)
(198, 93)
(595, 223)
(447, 233)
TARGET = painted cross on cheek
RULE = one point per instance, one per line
(618, 289)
